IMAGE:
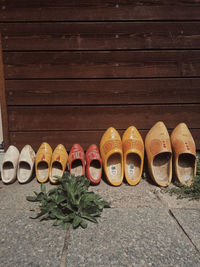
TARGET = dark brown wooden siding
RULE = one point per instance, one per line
(74, 68)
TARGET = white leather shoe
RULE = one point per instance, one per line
(25, 164)
(9, 165)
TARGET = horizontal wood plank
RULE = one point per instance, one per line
(100, 36)
(97, 3)
(68, 138)
(30, 118)
(104, 64)
(110, 91)
(99, 10)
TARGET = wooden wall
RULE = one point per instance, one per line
(74, 68)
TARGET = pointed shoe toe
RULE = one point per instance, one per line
(42, 162)
(133, 149)
(184, 149)
(26, 164)
(93, 164)
(77, 160)
(58, 163)
(9, 165)
(159, 154)
(112, 156)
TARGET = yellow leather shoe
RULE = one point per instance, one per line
(133, 148)
(184, 149)
(159, 154)
(112, 156)
(42, 162)
(58, 163)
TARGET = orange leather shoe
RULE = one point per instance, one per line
(77, 160)
(58, 163)
(184, 149)
(42, 162)
(93, 164)
(112, 156)
(133, 148)
(159, 154)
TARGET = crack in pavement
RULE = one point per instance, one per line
(170, 212)
(65, 248)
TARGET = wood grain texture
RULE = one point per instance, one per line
(102, 64)
(74, 68)
(43, 118)
(100, 35)
(3, 103)
(68, 138)
(110, 91)
(91, 10)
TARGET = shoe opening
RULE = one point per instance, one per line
(114, 167)
(186, 167)
(43, 170)
(56, 169)
(133, 166)
(162, 167)
(24, 171)
(77, 167)
(8, 171)
(95, 169)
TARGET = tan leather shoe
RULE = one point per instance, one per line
(133, 149)
(42, 162)
(159, 154)
(9, 165)
(112, 156)
(25, 165)
(58, 163)
(184, 149)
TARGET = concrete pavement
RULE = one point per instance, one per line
(144, 227)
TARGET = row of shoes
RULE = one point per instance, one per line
(17, 165)
(126, 156)
(119, 157)
(50, 164)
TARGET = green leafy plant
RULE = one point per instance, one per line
(69, 202)
(192, 192)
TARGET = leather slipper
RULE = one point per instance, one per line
(112, 156)
(58, 163)
(43, 162)
(77, 160)
(184, 149)
(93, 164)
(9, 165)
(26, 164)
(133, 149)
(159, 154)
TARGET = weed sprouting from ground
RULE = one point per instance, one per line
(69, 202)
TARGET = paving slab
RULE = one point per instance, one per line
(137, 231)
(126, 196)
(13, 196)
(24, 241)
(189, 219)
(131, 237)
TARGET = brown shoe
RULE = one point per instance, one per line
(184, 149)
(159, 154)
